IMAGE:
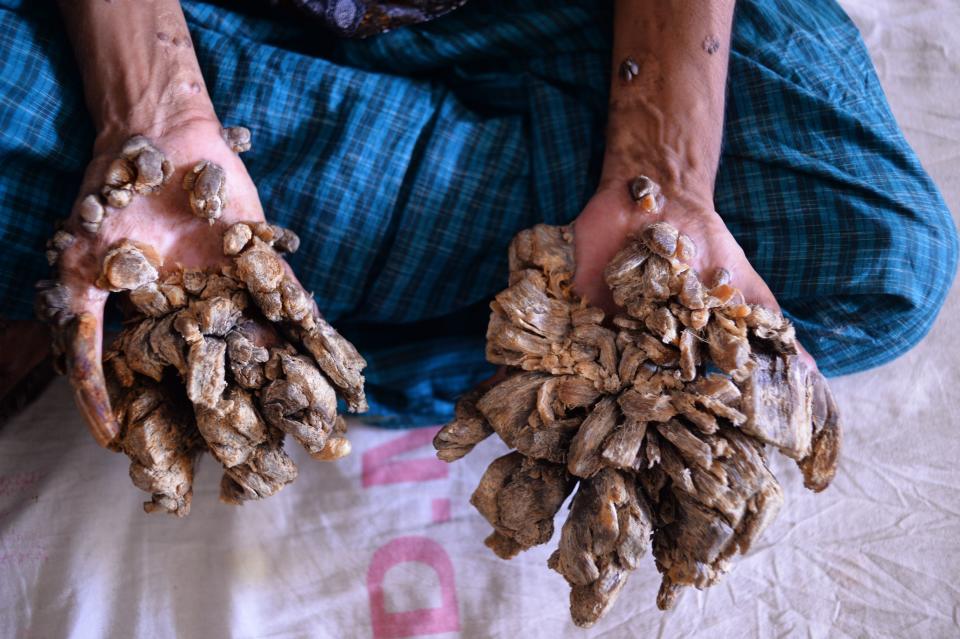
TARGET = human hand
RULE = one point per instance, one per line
(162, 220)
(611, 217)
(222, 348)
(659, 416)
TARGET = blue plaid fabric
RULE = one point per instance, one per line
(407, 161)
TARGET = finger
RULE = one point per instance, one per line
(469, 426)
(280, 298)
(254, 246)
(161, 447)
(78, 337)
(268, 470)
(75, 321)
(301, 402)
(83, 347)
(520, 498)
(606, 506)
(820, 466)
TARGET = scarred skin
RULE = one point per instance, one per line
(665, 123)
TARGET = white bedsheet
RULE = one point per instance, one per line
(384, 544)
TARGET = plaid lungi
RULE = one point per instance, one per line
(406, 162)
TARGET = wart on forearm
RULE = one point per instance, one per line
(629, 69)
(711, 44)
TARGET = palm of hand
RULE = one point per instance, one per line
(610, 217)
(162, 220)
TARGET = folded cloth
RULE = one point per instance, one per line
(407, 161)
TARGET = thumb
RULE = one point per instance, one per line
(74, 312)
(83, 347)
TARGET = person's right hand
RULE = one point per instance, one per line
(163, 220)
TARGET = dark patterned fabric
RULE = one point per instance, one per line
(364, 18)
(407, 162)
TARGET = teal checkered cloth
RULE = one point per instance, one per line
(407, 161)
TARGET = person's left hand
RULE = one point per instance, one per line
(611, 217)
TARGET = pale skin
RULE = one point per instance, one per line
(141, 76)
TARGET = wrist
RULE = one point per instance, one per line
(148, 94)
(671, 152)
(154, 123)
(680, 184)
(140, 71)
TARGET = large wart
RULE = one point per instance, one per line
(226, 361)
(656, 417)
(140, 169)
(206, 183)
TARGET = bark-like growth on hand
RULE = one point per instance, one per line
(91, 213)
(660, 414)
(207, 185)
(52, 303)
(238, 137)
(60, 242)
(140, 169)
(646, 193)
(159, 438)
(208, 362)
(629, 69)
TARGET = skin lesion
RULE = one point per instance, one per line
(629, 69)
(710, 44)
(181, 40)
(656, 416)
(228, 360)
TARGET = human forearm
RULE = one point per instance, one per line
(140, 72)
(667, 120)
